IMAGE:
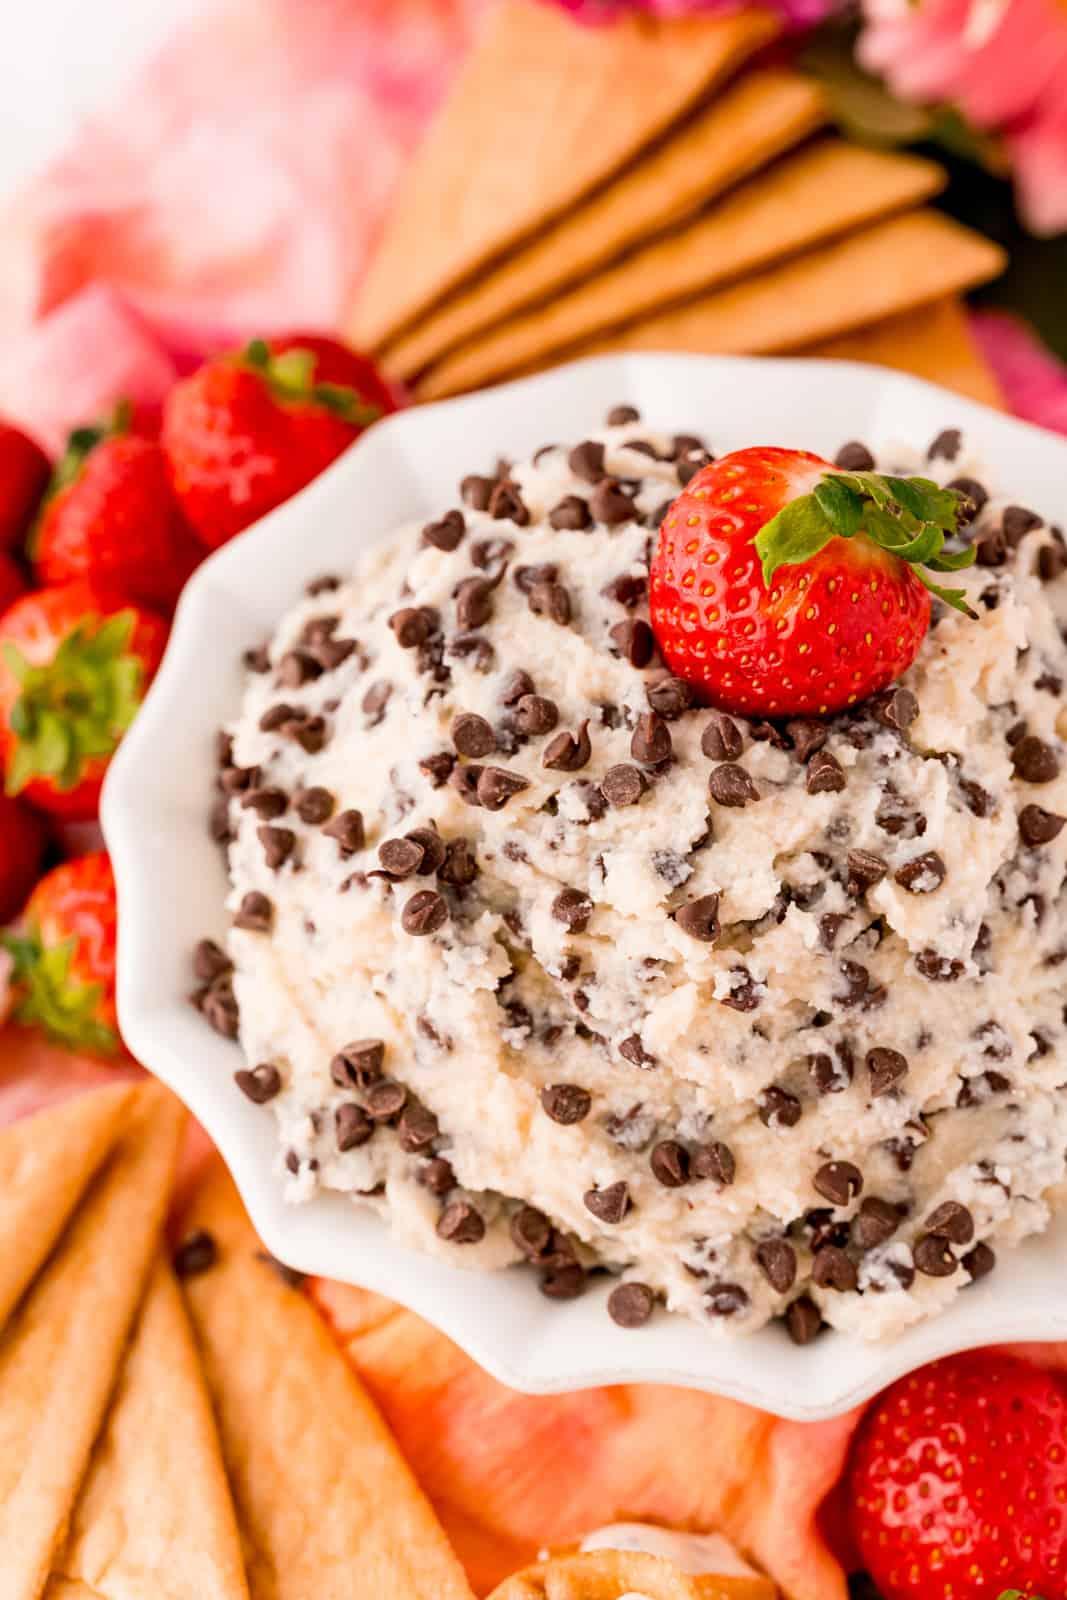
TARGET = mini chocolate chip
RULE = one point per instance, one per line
(218, 1006)
(933, 1257)
(436, 768)
(1051, 563)
(714, 1161)
(1017, 522)
(492, 555)
(413, 625)
(437, 1176)
(446, 534)
(198, 1252)
(722, 739)
(690, 463)
(255, 913)
(566, 1103)
(276, 717)
(313, 805)
(830, 1076)
(260, 1084)
(375, 701)
(825, 774)
(297, 667)
(571, 515)
(610, 504)
(808, 737)
(1038, 826)
(838, 1181)
(951, 1221)
(725, 1299)
(474, 602)
(608, 1205)
(631, 1304)
(333, 653)
(417, 1128)
(347, 828)
(460, 866)
(573, 909)
(777, 1260)
(937, 968)
(973, 498)
(385, 1100)
(634, 640)
(278, 844)
(266, 803)
(896, 709)
(669, 696)
(465, 782)
(875, 1222)
(424, 913)
(352, 1127)
(461, 1223)
(922, 874)
(496, 786)
(618, 416)
(626, 590)
(980, 1261)
(507, 504)
(977, 800)
(670, 1163)
(551, 600)
(568, 752)
(700, 918)
(651, 741)
(475, 491)
(778, 1108)
(257, 659)
(833, 1269)
(947, 445)
(864, 871)
(531, 1232)
(586, 461)
(622, 785)
(730, 785)
(564, 1282)
(310, 734)
(854, 457)
(516, 687)
(534, 714)
(1034, 760)
(473, 735)
(401, 858)
(803, 1320)
(432, 846)
(326, 583)
(210, 961)
(887, 1068)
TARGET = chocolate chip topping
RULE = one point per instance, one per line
(946, 446)
(622, 785)
(375, 701)
(933, 1257)
(385, 1100)
(668, 696)
(838, 1181)
(608, 1205)
(854, 457)
(534, 714)
(651, 740)
(864, 871)
(571, 515)
(722, 739)
(700, 918)
(446, 534)
(951, 1221)
(496, 786)
(566, 1103)
(433, 847)
(461, 1223)
(803, 1320)
(347, 828)
(634, 640)
(980, 1261)
(516, 687)
(973, 498)
(628, 589)
(586, 461)
(896, 709)
(618, 416)
(351, 1126)
(314, 805)
(573, 909)
(401, 858)
(1038, 826)
(210, 961)
(568, 752)
(260, 1083)
(460, 866)
(266, 803)
(1034, 760)
(298, 667)
(255, 913)
(808, 737)
(730, 785)
(425, 913)
(473, 735)
(198, 1252)
(611, 504)
(631, 1304)
(564, 1282)
(778, 1108)
(474, 491)
(531, 1232)
(922, 874)
(725, 1299)
(474, 602)
(825, 774)
(670, 1163)
(413, 625)
(437, 1176)
(417, 1128)
(887, 1068)
(714, 1161)
(833, 1269)
(278, 845)
(875, 1222)
(507, 504)
(777, 1260)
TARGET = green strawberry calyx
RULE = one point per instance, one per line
(75, 707)
(83, 441)
(909, 517)
(52, 998)
(291, 377)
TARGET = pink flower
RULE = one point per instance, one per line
(1003, 63)
(797, 13)
(1033, 381)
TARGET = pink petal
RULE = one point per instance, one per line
(1033, 380)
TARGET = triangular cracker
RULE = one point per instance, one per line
(933, 342)
(543, 111)
(46, 1164)
(750, 123)
(327, 1505)
(619, 1575)
(155, 1517)
(828, 189)
(60, 1353)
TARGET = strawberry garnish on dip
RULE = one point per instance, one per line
(782, 586)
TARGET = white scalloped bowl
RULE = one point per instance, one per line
(171, 881)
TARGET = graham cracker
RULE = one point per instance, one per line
(934, 342)
(46, 1163)
(60, 1353)
(327, 1505)
(877, 273)
(619, 1575)
(753, 121)
(827, 189)
(154, 1516)
(543, 111)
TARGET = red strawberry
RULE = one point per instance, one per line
(22, 841)
(783, 587)
(24, 470)
(110, 517)
(248, 430)
(74, 665)
(64, 954)
(958, 1482)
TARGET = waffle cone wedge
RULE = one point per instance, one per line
(328, 1507)
(46, 1164)
(543, 112)
(753, 120)
(933, 342)
(617, 1574)
(823, 191)
(154, 1516)
(61, 1351)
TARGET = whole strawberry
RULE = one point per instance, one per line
(74, 666)
(64, 956)
(24, 473)
(22, 842)
(110, 517)
(958, 1482)
(781, 586)
(248, 430)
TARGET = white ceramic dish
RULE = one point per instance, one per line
(171, 880)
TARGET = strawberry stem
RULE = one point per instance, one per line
(909, 517)
(291, 378)
(76, 706)
(50, 998)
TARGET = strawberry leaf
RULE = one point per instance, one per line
(52, 998)
(798, 532)
(841, 506)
